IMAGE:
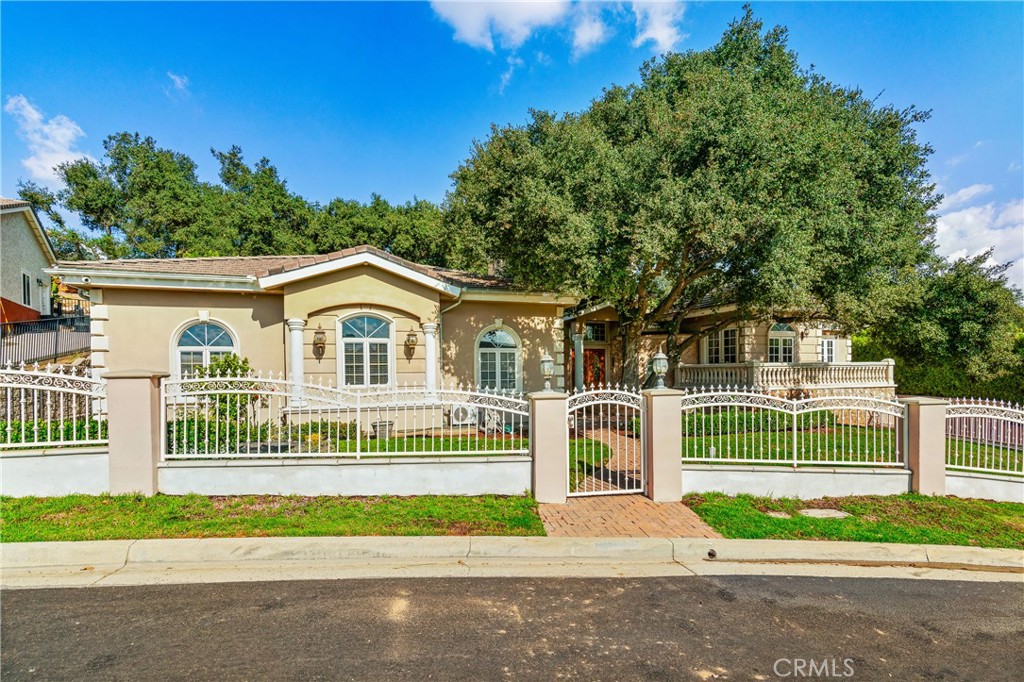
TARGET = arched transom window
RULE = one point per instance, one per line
(498, 360)
(202, 343)
(365, 351)
(781, 341)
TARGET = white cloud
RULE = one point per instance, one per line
(506, 77)
(657, 22)
(588, 31)
(1014, 166)
(962, 196)
(50, 142)
(478, 23)
(975, 229)
(181, 84)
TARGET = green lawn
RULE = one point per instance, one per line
(895, 518)
(585, 455)
(105, 517)
(843, 444)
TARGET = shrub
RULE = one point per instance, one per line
(67, 430)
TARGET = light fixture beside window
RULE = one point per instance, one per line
(319, 342)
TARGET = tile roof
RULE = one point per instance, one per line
(12, 203)
(261, 266)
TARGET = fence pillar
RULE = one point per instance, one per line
(549, 445)
(134, 425)
(663, 444)
(925, 444)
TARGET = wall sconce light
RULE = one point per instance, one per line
(547, 370)
(410, 339)
(319, 342)
(659, 364)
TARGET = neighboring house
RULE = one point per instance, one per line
(755, 354)
(25, 253)
(382, 320)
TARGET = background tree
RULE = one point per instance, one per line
(727, 177)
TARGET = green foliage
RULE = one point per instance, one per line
(145, 201)
(943, 378)
(39, 431)
(894, 518)
(729, 173)
(106, 517)
(965, 331)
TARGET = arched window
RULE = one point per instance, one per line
(365, 351)
(781, 342)
(200, 344)
(497, 360)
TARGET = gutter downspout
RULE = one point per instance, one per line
(440, 334)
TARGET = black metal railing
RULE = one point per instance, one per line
(44, 340)
(64, 306)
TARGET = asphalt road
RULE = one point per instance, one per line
(727, 628)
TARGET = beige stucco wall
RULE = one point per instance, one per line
(324, 301)
(142, 326)
(21, 252)
(538, 326)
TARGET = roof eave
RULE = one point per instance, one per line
(89, 278)
(329, 266)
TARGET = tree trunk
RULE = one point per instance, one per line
(629, 339)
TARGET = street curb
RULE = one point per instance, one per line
(312, 550)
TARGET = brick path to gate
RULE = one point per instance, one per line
(631, 516)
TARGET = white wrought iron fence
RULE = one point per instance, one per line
(985, 435)
(266, 417)
(740, 426)
(605, 431)
(51, 407)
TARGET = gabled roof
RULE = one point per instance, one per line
(19, 206)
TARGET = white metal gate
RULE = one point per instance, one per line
(606, 439)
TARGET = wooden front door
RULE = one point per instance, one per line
(594, 367)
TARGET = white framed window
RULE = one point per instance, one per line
(26, 289)
(498, 360)
(595, 331)
(365, 354)
(199, 344)
(828, 350)
(781, 343)
(722, 347)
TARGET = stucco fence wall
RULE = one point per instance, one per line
(985, 486)
(508, 475)
(50, 473)
(803, 482)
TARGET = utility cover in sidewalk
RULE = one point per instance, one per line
(823, 513)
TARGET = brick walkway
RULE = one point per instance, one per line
(632, 516)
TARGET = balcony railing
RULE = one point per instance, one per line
(784, 375)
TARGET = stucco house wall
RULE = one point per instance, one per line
(22, 254)
(142, 326)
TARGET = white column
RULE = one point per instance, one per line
(577, 363)
(430, 346)
(295, 359)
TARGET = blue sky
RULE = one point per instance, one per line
(347, 99)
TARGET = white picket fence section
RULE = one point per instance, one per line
(741, 426)
(51, 407)
(985, 436)
(270, 417)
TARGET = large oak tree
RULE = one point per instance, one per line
(730, 179)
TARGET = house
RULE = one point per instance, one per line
(25, 254)
(776, 356)
(357, 318)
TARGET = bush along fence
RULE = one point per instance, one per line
(65, 431)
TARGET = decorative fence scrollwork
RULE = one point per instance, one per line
(985, 436)
(51, 407)
(736, 425)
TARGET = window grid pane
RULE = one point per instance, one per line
(714, 349)
(190, 361)
(787, 350)
(354, 364)
(508, 370)
(488, 369)
(729, 345)
(378, 356)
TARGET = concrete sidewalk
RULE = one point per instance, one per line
(143, 562)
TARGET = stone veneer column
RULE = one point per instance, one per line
(663, 444)
(430, 347)
(549, 445)
(925, 444)
(296, 360)
(134, 425)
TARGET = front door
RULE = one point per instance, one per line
(594, 367)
